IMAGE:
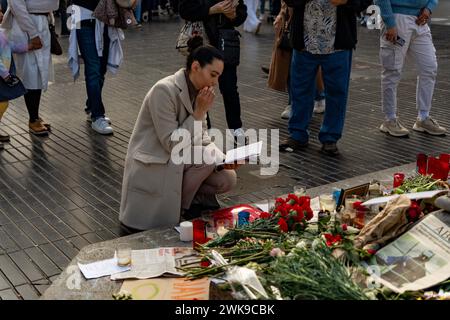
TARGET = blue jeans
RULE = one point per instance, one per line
(138, 11)
(336, 68)
(94, 69)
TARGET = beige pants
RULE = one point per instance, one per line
(420, 48)
(201, 184)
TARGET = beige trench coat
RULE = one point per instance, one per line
(151, 190)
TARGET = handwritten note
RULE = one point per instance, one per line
(101, 268)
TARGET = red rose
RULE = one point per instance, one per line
(305, 201)
(300, 216)
(279, 201)
(292, 197)
(265, 215)
(414, 211)
(309, 214)
(205, 263)
(371, 251)
(283, 225)
(337, 238)
(344, 227)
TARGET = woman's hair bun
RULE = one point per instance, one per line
(194, 43)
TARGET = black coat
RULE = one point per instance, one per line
(346, 36)
(198, 10)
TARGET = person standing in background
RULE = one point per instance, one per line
(406, 33)
(27, 20)
(218, 15)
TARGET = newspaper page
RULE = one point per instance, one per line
(152, 263)
(418, 259)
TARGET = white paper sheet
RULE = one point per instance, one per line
(412, 196)
(243, 152)
(101, 268)
(151, 263)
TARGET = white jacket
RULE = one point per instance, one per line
(115, 56)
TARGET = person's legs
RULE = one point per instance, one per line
(302, 75)
(275, 7)
(32, 102)
(422, 51)
(229, 90)
(93, 71)
(217, 183)
(138, 11)
(319, 100)
(262, 7)
(424, 54)
(336, 69)
(63, 15)
(193, 178)
(3, 108)
(392, 59)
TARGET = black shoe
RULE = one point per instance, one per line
(330, 149)
(265, 69)
(196, 210)
(4, 138)
(292, 144)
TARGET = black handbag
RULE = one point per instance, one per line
(285, 39)
(55, 46)
(230, 46)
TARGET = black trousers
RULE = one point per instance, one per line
(276, 7)
(229, 90)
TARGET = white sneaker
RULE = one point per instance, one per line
(89, 119)
(102, 126)
(319, 106)
(394, 128)
(286, 114)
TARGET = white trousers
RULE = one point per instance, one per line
(419, 48)
(252, 21)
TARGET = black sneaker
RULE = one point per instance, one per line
(293, 144)
(330, 148)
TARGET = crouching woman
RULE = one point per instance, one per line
(156, 190)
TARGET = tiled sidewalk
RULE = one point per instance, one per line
(60, 193)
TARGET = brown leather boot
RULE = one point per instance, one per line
(37, 128)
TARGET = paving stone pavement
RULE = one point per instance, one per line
(60, 193)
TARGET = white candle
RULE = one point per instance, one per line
(186, 231)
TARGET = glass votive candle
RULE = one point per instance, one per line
(299, 190)
(327, 202)
(123, 253)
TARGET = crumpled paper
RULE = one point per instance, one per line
(387, 225)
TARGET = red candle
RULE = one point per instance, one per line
(421, 164)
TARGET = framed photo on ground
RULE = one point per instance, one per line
(360, 190)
